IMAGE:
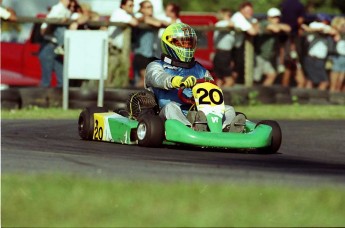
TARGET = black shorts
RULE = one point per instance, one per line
(140, 62)
(315, 69)
(222, 63)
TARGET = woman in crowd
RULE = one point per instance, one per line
(338, 67)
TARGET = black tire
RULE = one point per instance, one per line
(34, 97)
(82, 94)
(337, 98)
(10, 105)
(86, 122)
(10, 99)
(263, 94)
(10, 94)
(301, 95)
(150, 131)
(118, 94)
(79, 104)
(276, 136)
(236, 96)
(115, 105)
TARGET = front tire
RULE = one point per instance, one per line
(86, 122)
(150, 131)
(276, 136)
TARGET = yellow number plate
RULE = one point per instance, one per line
(208, 94)
(98, 131)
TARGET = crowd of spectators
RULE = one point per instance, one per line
(289, 50)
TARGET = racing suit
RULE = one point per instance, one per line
(159, 74)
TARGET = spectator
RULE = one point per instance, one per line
(49, 59)
(318, 47)
(158, 7)
(293, 13)
(78, 19)
(117, 68)
(7, 14)
(338, 68)
(266, 46)
(247, 25)
(172, 11)
(172, 15)
(224, 42)
(8, 31)
(144, 48)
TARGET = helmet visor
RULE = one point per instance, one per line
(184, 42)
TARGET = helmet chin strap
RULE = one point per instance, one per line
(176, 62)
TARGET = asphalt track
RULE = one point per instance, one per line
(312, 152)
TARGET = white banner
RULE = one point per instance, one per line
(86, 54)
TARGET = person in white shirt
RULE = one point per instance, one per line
(224, 42)
(49, 60)
(244, 22)
(7, 14)
(117, 76)
(124, 14)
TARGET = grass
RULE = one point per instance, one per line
(70, 201)
(288, 112)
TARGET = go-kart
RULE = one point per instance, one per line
(140, 124)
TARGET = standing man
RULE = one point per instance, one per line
(266, 54)
(117, 65)
(243, 20)
(144, 46)
(224, 42)
(49, 59)
(293, 13)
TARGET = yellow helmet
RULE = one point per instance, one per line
(179, 41)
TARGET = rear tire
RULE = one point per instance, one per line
(276, 136)
(86, 122)
(150, 131)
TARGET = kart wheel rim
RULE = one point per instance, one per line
(141, 131)
(81, 124)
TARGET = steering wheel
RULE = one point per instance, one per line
(191, 100)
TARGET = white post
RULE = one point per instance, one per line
(103, 75)
(65, 76)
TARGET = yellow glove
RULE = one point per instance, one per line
(187, 81)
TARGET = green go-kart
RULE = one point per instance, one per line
(140, 124)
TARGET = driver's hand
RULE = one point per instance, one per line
(187, 81)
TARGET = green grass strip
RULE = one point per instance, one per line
(288, 112)
(70, 201)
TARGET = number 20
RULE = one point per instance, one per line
(210, 94)
(98, 131)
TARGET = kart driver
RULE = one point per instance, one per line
(177, 68)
